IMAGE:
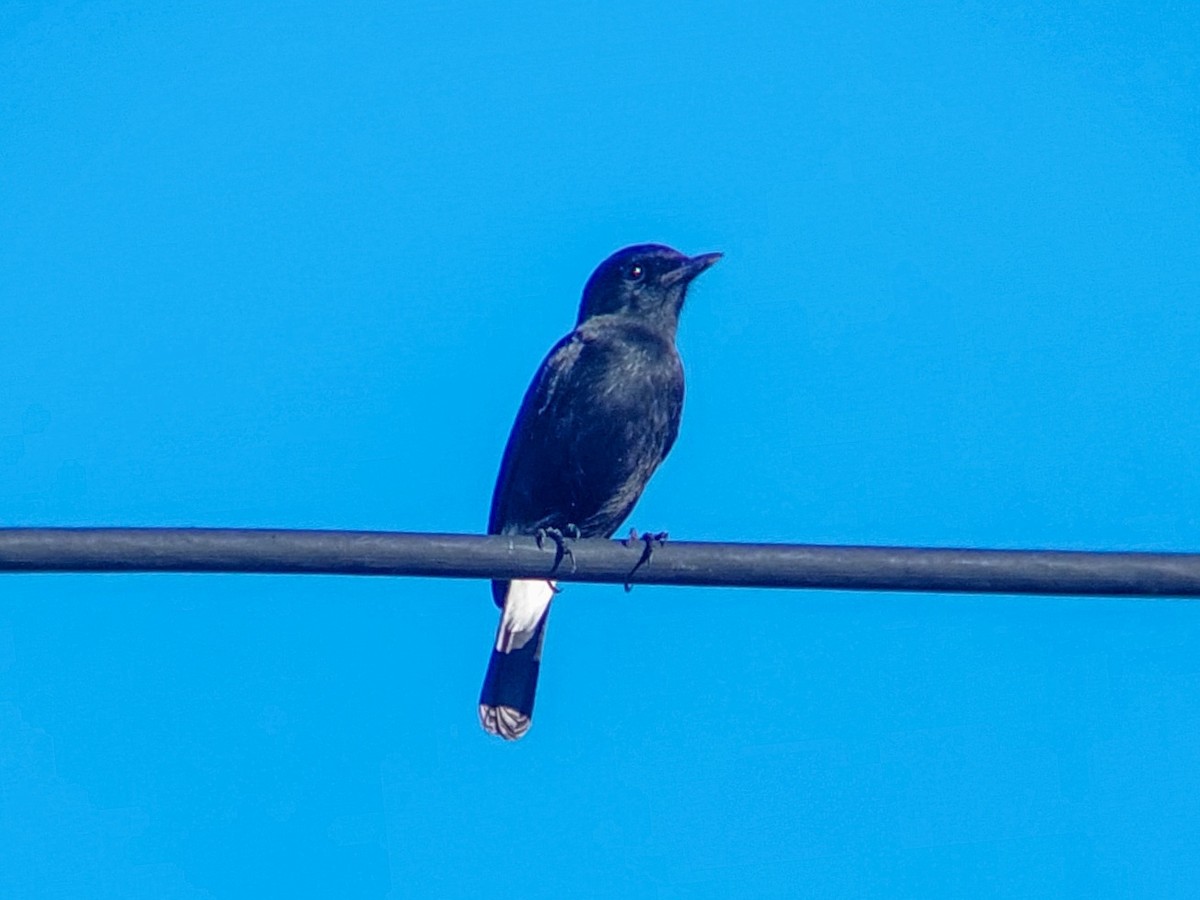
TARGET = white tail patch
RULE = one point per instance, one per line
(524, 606)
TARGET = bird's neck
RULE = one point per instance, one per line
(661, 327)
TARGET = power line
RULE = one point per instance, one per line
(679, 563)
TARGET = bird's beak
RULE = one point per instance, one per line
(690, 268)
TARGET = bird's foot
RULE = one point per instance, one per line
(560, 537)
(650, 540)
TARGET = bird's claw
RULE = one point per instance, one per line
(560, 538)
(649, 540)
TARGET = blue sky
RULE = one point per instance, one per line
(292, 265)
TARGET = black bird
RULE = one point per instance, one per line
(601, 414)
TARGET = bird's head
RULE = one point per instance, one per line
(645, 281)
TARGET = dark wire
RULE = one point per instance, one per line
(597, 560)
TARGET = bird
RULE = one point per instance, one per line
(600, 415)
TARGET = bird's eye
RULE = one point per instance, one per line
(636, 272)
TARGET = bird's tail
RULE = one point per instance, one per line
(506, 701)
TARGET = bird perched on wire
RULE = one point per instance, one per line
(600, 415)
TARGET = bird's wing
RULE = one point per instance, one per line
(555, 369)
